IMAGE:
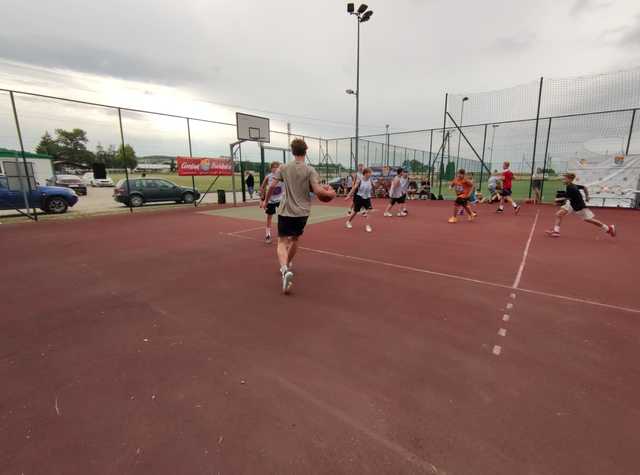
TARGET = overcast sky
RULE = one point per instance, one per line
(293, 59)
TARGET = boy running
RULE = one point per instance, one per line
(358, 177)
(398, 193)
(505, 194)
(463, 188)
(299, 179)
(362, 193)
(274, 200)
(574, 203)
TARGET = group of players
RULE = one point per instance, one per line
(288, 189)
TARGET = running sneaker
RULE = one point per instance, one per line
(368, 228)
(453, 219)
(460, 212)
(474, 214)
(516, 210)
(499, 210)
(267, 239)
(612, 230)
(287, 281)
(471, 217)
(348, 225)
(552, 233)
(387, 214)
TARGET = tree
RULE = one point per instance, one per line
(126, 158)
(72, 146)
(108, 156)
(48, 146)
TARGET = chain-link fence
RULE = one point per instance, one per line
(65, 137)
(543, 128)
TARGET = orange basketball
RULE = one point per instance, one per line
(331, 194)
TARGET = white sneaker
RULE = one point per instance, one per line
(348, 225)
(368, 228)
(287, 281)
(386, 213)
(399, 213)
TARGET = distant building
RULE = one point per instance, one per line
(42, 164)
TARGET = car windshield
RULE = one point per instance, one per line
(3, 182)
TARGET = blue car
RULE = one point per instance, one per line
(50, 199)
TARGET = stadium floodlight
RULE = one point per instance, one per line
(366, 16)
(362, 8)
(350, 7)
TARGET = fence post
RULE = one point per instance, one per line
(535, 139)
(484, 143)
(368, 152)
(633, 118)
(544, 164)
(193, 178)
(430, 169)
(444, 127)
(124, 157)
(27, 196)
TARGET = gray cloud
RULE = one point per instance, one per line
(514, 43)
(582, 6)
(631, 36)
(67, 53)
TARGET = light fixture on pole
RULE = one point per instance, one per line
(493, 139)
(362, 15)
(464, 99)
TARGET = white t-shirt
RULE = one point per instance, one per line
(365, 188)
(278, 191)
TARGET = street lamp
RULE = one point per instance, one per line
(493, 139)
(362, 14)
(464, 99)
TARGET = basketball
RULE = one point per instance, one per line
(331, 194)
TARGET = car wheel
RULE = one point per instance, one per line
(136, 201)
(188, 198)
(56, 205)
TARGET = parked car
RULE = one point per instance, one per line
(148, 190)
(69, 181)
(88, 179)
(51, 199)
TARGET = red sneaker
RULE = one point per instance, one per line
(552, 233)
(612, 230)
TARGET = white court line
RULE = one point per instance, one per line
(516, 282)
(456, 277)
(579, 300)
(233, 233)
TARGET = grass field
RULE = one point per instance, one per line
(520, 187)
(202, 182)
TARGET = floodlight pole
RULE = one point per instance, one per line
(357, 93)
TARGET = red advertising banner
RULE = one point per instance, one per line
(188, 166)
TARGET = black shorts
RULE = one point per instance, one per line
(291, 225)
(271, 208)
(361, 203)
(400, 200)
(462, 201)
(505, 192)
(536, 184)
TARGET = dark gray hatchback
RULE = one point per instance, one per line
(150, 190)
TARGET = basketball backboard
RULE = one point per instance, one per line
(253, 128)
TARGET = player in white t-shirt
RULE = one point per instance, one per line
(274, 199)
(362, 192)
(398, 193)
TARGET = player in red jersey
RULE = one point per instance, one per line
(505, 193)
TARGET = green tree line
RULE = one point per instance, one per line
(71, 146)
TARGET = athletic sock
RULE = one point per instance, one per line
(283, 270)
(268, 232)
(501, 208)
(605, 228)
(515, 205)
(556, 229)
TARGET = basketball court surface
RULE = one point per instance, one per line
(161, 344)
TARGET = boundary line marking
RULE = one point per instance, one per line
(456, 277)
(525, 254)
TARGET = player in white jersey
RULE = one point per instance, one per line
(362, 192)
(274, 199)
(398, 193)
(358, 177)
